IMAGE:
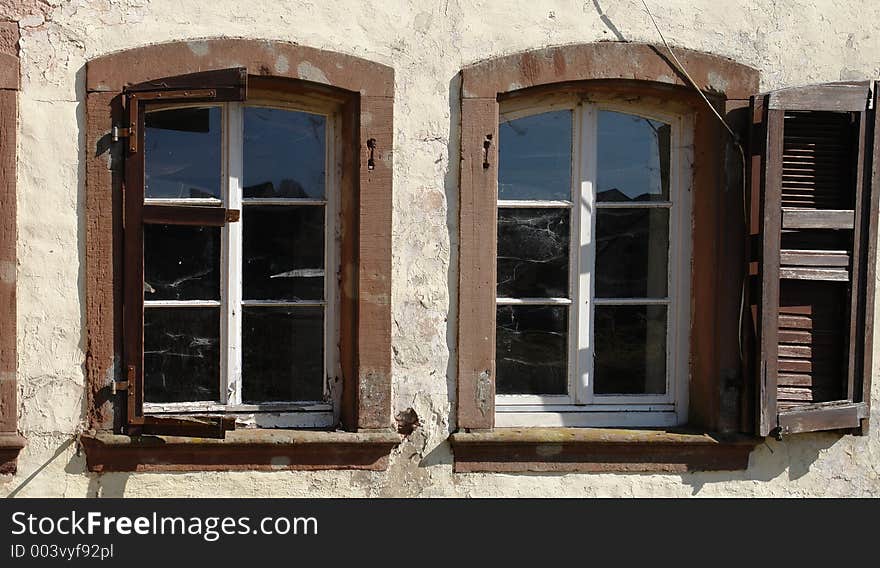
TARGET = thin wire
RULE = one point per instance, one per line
(686, 74)
(742, 156)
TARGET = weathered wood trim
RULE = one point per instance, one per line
(770, 257)
(477, 250)
(364, 91)
(184, 215)
(260, 450)
(10, 441)
(598, 450)
(9, 64)
(827, 416)
(836, 97)
(752, 334)
(867, 369)
(374, 263)
(818, 219)
(785, 405)
(104, 260)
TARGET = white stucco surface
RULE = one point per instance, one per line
(791, 42)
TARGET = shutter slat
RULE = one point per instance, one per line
(817, 161)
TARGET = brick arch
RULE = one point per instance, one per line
(114, 71)
(607, 60)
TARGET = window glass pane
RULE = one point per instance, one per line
(282, 354)
(633, 160)
(531, 350)
(534, 157)
(181, 354)
(182, 153)
(632, 253)
(630, 343)
(181, 263)
(533, 253)
(283, 252)
(284, 153)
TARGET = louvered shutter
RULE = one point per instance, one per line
(812, 157)
(209, 86)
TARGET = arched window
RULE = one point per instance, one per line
(250, 255)
(601, 261)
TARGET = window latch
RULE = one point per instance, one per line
(233, 215)
(371, 162)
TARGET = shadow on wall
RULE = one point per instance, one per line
(58, 452)
(108, 484)
(607, 21)
(100, 485)
(450, 184)
(771, 459)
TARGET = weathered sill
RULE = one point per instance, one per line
(250, 449)
(10, 445)
(599, 450)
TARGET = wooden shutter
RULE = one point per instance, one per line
(209, 86)
(813, 152)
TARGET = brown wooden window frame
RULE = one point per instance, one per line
(718, 393)
(118, 438)
(11, 442)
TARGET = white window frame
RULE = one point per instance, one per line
(274, 414)
(581, 407)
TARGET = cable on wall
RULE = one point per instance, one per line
(742, 156)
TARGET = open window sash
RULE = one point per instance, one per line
(210, 86)
(814, 192)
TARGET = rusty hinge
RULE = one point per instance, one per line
(119, 132)
(119, 386)
(233, 215)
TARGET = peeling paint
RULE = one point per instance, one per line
(198, 47)
(309, 72)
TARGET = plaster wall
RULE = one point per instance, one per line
(791, 42)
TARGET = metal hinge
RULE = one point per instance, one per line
(119, 132)
(119, 386)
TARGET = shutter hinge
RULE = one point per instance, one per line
(777, 433)
(233, 215)
(119, 132)
(119, 386)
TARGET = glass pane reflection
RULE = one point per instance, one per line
(182, 153)
(633, 158)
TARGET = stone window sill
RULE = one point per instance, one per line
(251, 449)
(10, 446)
(599, 450)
